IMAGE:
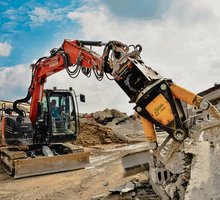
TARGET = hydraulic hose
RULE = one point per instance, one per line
(24, 100)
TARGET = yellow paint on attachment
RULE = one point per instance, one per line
(149, 130)
(160, 109)
(183, 94)
(197, 100)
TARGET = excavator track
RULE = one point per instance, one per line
(7, 167)
(8, 157)
(57, 158)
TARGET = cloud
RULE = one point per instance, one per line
(14, 81)
(10, 26)
(142, 10)
(11, 14)
(40, 15)
(182, 45)
(5, 49)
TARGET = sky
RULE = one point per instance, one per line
(180, 40)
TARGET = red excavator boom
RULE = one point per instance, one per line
(71, 53)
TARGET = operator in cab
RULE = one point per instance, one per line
(54, 109)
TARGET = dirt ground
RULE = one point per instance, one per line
(108, 135)
(104, 172)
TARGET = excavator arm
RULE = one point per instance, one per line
(71, 56)
(157, 99)
(71, 53)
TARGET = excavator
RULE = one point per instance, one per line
(36, 144)
(27, 154)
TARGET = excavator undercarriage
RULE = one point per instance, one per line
(43, 160)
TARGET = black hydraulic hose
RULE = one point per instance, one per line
(106, 52)
(76, 71)
(108, 47)
(89, 43)
(24, 100)
(40, 59)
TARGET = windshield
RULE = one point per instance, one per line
(62, 113)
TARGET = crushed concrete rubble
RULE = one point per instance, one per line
(107, 115)
(109, 127)
(123, 188)
(99, 197)
(205, 167)
(133, 190)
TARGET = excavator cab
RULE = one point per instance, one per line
(60, 108)
(57, 121)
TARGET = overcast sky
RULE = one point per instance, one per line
(180, 40)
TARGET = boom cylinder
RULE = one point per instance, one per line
(149, 130)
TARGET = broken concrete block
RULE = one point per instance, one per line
(105, 183)
(123, 188)
(99, 197)
(128, 187)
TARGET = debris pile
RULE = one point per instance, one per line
(108, 115)
(92, 133)
(135, 189)
(109, 126)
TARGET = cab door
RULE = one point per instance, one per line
(62, 117)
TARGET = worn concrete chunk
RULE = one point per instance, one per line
(123, 188)
(99, 197)
(105, 183)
